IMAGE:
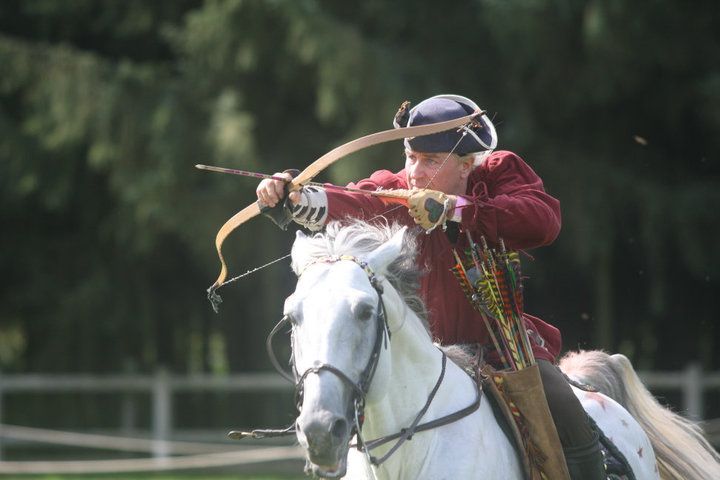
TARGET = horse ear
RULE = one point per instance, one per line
(298, 260)
(387, 252)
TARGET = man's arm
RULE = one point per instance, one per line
(314, 206)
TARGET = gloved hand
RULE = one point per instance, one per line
(274, 200)
(429, 208)
(270, 192)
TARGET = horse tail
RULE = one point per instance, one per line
(681, 450)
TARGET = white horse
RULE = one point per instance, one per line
(365, 363)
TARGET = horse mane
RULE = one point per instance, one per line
(358, 238)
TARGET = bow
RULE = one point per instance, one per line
(318, 166)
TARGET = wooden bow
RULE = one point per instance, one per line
(318, 166)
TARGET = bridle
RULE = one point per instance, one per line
(382, 335)
(360, 388)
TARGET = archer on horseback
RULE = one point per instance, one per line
(458, 182)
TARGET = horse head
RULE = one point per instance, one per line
(339, 334)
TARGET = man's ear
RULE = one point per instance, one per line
(466, 165)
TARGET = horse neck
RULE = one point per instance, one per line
(414, 366)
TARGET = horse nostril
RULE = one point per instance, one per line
(339, 428)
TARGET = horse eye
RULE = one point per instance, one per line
(364, 313)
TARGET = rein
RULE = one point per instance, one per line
(407, 433)
(361, 387)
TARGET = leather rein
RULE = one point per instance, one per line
(360, 388)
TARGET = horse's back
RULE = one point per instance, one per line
(623, 430)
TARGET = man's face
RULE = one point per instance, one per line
(437, 171)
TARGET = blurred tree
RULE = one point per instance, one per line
(105, 107)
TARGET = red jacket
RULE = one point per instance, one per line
(508, 201)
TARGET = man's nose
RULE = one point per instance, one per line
(418, 171)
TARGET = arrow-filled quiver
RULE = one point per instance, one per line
(492, 281)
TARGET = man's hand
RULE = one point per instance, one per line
(429, 208)
(270, 192)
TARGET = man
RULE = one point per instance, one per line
(459, 182)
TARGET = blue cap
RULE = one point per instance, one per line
(476, 137)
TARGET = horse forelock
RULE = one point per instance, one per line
(359, 238)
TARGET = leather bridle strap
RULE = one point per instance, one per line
(407, 433)
(382, 335)
(271, 352)
(360, 388)
(318, 166)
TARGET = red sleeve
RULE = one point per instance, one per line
(343, 204)
(508, 201)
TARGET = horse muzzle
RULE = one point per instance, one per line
(325, 471)
(325, 438)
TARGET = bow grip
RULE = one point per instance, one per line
(281, 213)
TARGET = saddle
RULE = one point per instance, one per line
(518, 402)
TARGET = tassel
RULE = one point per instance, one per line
(214, 298)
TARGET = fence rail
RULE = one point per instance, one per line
(161, 386)
(692, 383)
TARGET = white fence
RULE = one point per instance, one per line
(692, 382)
(161, 386)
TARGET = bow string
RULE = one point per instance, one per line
(314, 169)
